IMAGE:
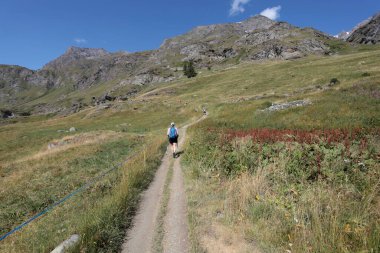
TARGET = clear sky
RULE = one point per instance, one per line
(33, 32)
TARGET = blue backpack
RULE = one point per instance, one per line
(172, 133)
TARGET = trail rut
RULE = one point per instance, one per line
(139, 238)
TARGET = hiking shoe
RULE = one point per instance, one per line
(173, 154)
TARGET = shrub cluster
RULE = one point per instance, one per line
(317, 194)
(332, 150)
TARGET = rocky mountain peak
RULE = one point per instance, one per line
(86, 52)
(74, 54)
(257, 22)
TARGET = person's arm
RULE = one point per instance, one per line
(176, 129)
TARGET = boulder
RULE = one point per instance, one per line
(7, 114)
(66, 244)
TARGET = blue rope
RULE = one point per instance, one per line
(85, 186)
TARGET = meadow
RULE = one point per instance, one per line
(42, 162)
(238, 180)
(304, 179)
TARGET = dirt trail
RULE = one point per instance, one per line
(139, 238)
(176, 227)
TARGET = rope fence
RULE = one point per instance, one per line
(64, 199)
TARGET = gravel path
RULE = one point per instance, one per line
(139, 238)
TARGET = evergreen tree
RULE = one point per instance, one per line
(188, 69)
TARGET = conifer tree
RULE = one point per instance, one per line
(188, 69)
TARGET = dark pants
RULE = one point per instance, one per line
(173, 140)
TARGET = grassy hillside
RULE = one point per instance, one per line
(233, 168)
(268, 181)
(34, 177)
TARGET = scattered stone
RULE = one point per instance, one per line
(362, 166)
(123, 98)
(72, 129)
(289, 55)
(109, 98)
(66, 244)
(7, 114)
(76, 107)
(103, 106)
(283, 106)
(219, 214)
(51, 145)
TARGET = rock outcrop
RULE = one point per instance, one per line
(256, 38)
(368, 32)
(287, 105)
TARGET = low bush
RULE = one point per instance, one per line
(303, 191)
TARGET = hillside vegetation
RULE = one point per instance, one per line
(305, 179)
(288, 192)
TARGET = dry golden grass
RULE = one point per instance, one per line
(213, 205)
(66, 143)
(242, 191)
(264, 208)
(219, 238)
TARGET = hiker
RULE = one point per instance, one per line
(204, 111)
(173, 138)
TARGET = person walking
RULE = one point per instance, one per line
(173, 138)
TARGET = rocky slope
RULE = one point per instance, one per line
(253, 39)
(367, 32)
(19, 84)
(101, 73)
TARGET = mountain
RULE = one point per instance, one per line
(74, 54)
(82, 73)
(18, 84)
(254, 39)
(343, 35)
(367, 32)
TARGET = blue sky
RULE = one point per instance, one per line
(33, 32)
